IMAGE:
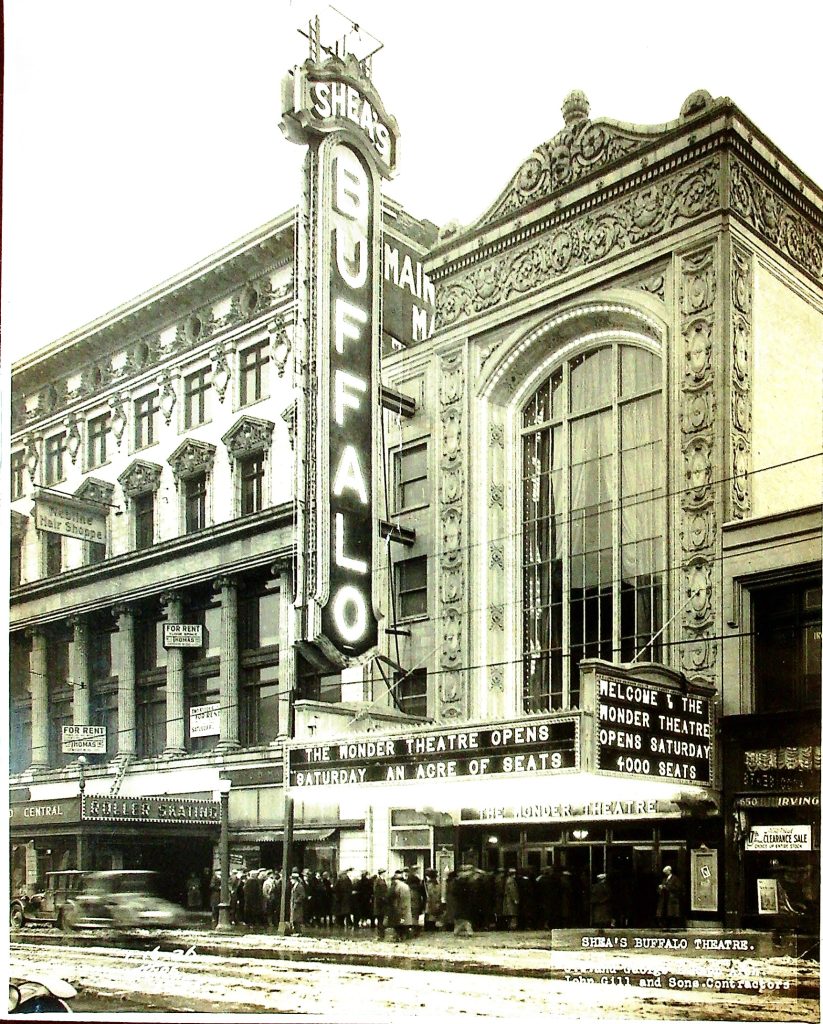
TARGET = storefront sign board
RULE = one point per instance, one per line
(45, 812)
(70, 518)
(511, 749)
(619, 810)
(84, 739)
(154, 809)
(779, 837)
(704, 880)
(653, 732)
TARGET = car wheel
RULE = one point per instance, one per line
(16, 918)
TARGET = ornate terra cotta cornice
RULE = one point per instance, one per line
(192, 457)
(140, 478)
(248, 435)
(568, 245)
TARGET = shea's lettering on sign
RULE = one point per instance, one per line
(512, 749)
(339, 100)
(654, 732)
(69, 520)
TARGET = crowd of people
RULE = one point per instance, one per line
(465, 901)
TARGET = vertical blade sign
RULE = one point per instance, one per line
(333, 108)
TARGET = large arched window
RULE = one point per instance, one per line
(593, 519)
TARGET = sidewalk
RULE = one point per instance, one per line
(741, 961)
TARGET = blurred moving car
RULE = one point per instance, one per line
(47, 905)
(121, 899)
(36, 994)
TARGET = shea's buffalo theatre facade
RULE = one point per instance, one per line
(499, 545)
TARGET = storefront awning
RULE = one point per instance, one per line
(299, 835)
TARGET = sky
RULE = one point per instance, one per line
(140, 137)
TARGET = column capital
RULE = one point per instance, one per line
(121, 608)
(221, 582)
(34, 633)
(168, 596)
(76, 620)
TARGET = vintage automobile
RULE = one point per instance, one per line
(121, 899)
(46, 906)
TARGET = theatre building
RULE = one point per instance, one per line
(499, 545)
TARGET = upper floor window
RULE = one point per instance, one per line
(54, 553)
(787, 645)
(55, 458)
(254, 380)
(96, 553)
(194, 496)
(411, 692)
(98, 439)
(16, 561)
(411, 587)
(252, 476)
(411, 477)
(145, 420)
(143, 508)
(593, 548)
(196, 397)
(18, 467)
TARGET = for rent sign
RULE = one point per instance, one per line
(84, 739)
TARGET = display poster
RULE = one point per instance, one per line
(704, 880)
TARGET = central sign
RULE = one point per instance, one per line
(333, 107)
(509, 749)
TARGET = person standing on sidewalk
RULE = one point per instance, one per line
(511, 900)
(602, 916)
(297, 901)
(380, 901)
(343, 899)
(400, 909)
(669, 893)
(462, 894)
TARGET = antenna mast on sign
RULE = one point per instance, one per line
(348, 37)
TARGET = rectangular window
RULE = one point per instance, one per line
(411, 477)
(201, 690)
(143, 506)
(195, 499)
(98, 437)
(145, 420)
(252, 474)
(254, 381)
(54, 554)
(151, 717)
(55, 450)
(18, 465)
(259, 706)
(195, 397)
(96, 553)
(787, 647)
(410, 692)
(410, 583)
(16, 562)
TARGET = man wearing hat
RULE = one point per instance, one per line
(400, 911)
(511, 899)
(297, 900)
(380, 899)
(601, 901)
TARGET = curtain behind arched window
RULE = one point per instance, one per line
(593, 519)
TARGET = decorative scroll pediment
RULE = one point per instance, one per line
(140, 478)
(192, 457)
(18, 524)
(96, 490)
(582, 148)
(248, 435)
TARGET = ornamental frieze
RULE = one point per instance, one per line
(740, 382)
(613, 229)
(772, 218)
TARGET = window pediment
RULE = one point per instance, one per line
(192, 457)
(96, 490)
(140, 478)
(247, 436)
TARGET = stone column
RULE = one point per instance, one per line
(175, 703)
(79, 670)
(39, 685)
(229, 664)
(124, 653)
(287, 676)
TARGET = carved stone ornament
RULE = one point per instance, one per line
(496, 616)
(496, 679)
(192, 457)
(248, 435)
(613, 228)
(289, 417)
(140, 478)
(280, 344)
(740, 382)
(73, 437)
(93, 489)
(773, 219)
(581, 149)
(496, 495)
(118, 417)
(168, 397)
(221, 371)
(496, 556)
(496, 435)
(31, 444)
